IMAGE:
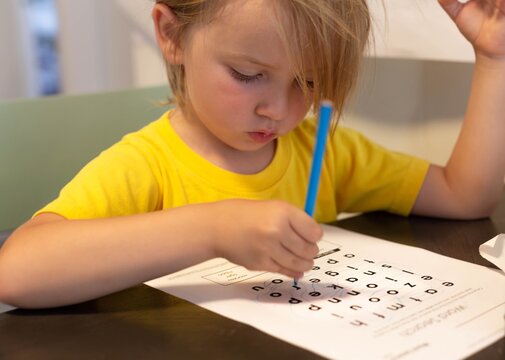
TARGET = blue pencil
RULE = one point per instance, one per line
(317, 158)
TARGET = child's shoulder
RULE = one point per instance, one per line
(152, 136)
(144, 144)
(152, 130)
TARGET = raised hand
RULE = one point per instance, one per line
(266, 235)
(482, 22)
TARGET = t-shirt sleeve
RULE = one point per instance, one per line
(120, 181)
(375, 178)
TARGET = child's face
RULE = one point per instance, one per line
(240, 87)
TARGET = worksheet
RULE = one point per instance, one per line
(364, 298)
(5, 308)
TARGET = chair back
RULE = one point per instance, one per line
(44, 142)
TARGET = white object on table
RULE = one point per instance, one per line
(494, 251)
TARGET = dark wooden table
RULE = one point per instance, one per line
(142, 322)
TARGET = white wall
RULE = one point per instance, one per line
(107, 45)
(17, 63)
(417, 29)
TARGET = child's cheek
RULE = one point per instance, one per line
(237, 92)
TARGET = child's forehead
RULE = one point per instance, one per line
(256, 23)
(250, 28)
(238, 11)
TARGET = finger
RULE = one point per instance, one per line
(299, 246)
(487, 6)
(285, 271)
(271, 265)
(451, 7)
(288, 260)
(500, 4)
(305, 226)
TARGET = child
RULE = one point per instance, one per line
(225, 173)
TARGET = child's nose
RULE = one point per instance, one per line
(274, 105)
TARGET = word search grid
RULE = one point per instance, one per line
(364, 297)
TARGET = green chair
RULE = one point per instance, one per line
(44, 142)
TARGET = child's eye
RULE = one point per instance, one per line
(243, 77)
(308, 83)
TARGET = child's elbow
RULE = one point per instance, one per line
(14, 294)
(481, 209)
(5, 293)
(7, 290)
(12, 291)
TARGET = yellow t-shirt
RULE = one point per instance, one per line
(153, 169)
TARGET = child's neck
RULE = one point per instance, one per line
(205, 144)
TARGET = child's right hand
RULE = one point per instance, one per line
(266, 235)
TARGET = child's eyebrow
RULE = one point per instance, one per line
(251, 59)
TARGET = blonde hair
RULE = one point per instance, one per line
(328, 36)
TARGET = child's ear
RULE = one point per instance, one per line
(164, 24)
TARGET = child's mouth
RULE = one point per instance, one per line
(261, 136)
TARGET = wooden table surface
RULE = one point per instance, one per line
(142, 322)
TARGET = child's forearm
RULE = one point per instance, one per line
(476, 169)
(51, 261)
(62, 262)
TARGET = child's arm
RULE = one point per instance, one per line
(471, 184)
(52, 261)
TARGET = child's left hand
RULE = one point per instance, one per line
(482, 22)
